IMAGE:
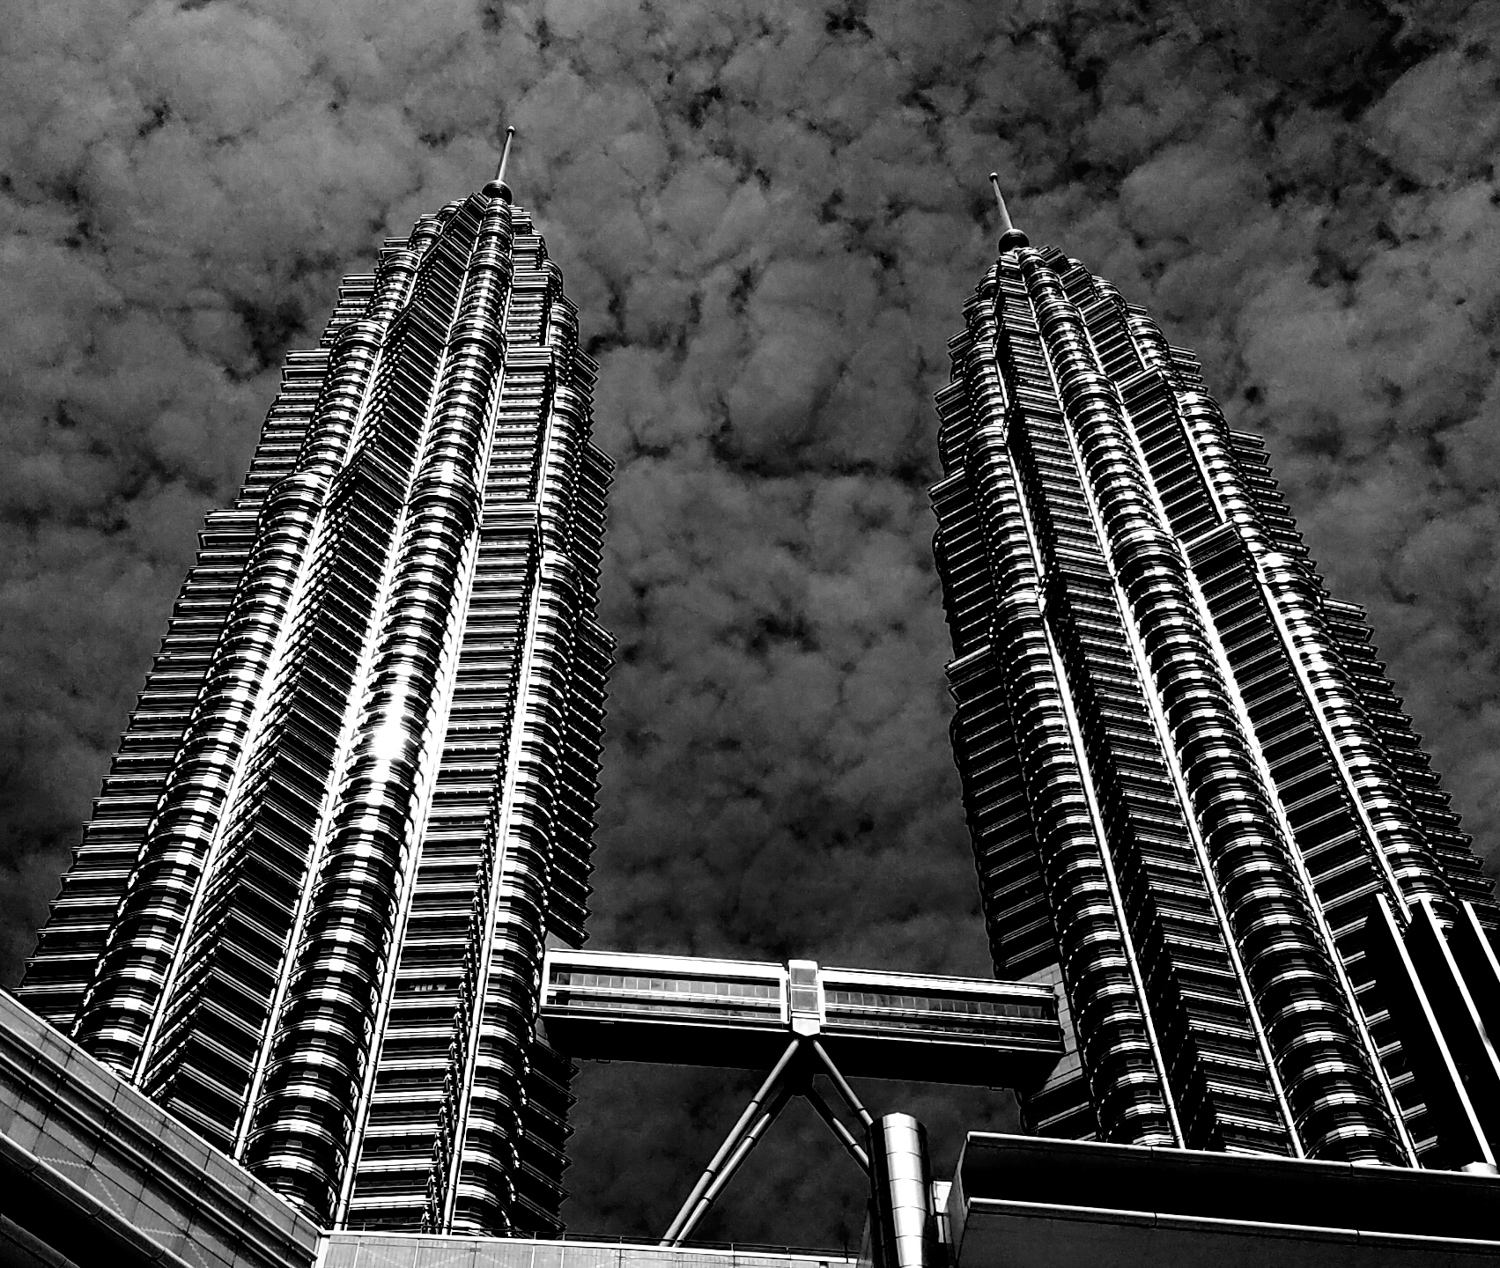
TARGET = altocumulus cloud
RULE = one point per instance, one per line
(769, 215)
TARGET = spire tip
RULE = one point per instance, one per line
(1010, 236)
(510, 132)
(497, 188)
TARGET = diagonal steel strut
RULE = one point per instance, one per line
(739, 1135)
(731, 1164)
(841, 1085)
(845, 1136)
(791, 1076)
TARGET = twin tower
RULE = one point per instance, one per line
(324, 908)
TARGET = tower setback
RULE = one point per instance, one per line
(356, 796)
(1194, 798)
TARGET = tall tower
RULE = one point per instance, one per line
(356, 797)
(1195, 801)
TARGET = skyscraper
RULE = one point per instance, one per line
(356, 796)
(329, 906)
(1195, 801)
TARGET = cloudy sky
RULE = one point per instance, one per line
(769, 215)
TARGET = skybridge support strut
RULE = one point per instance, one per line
(791, 1076)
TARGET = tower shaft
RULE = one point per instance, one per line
(357, 795)
(1187, 779)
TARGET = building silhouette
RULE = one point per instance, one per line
(356, 796)
(1194, 798)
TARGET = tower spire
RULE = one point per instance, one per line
(497, 188)
(1010, 236)
(510, 133)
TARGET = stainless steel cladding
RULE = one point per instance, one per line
(358, 793)
(1190, 787)
(903, 1221)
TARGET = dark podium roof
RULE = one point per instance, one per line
(1027, 1202)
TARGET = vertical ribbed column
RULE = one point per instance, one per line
(300, 1129)
(1394, 834)
(209, 1045)
(1129, 1094)
(460, 1120)
(61, 969)
(1328, 1082)
(1012, 891)
(139, 956)
(486, 1183)
(1120, 1053)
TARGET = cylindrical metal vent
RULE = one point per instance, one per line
(904, 1227)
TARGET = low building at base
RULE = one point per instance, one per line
(1028, 1202)
(95, 1175)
